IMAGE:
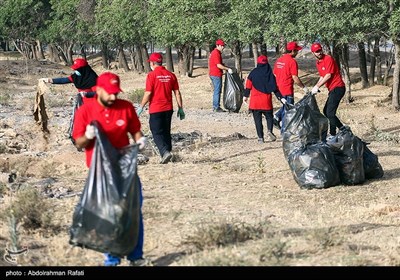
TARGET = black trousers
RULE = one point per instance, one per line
(331, 105)
(257, 115)
(160, 126)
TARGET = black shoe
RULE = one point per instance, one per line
(219, 110)
(276, 124)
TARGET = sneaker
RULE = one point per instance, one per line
(260, 140)
(166, 157)
(271, 136)
(276, 123)
(219, 110)
(140, 262)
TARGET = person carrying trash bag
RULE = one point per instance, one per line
(84, 79)
(116, 118)
(286, 71)
(259, 85)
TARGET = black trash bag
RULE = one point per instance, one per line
(304, 124)
(314, 167)
(106, 218)
(372, 168)
(233, 92)
(348, 151)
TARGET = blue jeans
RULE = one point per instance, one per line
(137, 252)
(280, 115)
(217, 85)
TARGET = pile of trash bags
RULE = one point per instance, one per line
(316, 163)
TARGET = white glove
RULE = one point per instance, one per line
(90, 132)
(306, 90)
(315, 90)
(230, 71)
(142, 142)
(283, 100)
(45, 80)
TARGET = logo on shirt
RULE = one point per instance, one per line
(120, 122)
(323, 68)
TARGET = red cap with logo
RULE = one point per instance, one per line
(109, 82)
(155, 57)
(220, 42)
(293, 46)
(78, 63)
(316, 47)
(262, 59)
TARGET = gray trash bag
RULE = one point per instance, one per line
(233, 92)
(372, 168)
(106, 218)
(314, 167)
(304, 124)
(348, 151)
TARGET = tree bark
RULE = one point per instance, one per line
(377, 54)
(343, 51)
(39, 50)
(255, 52)
(168, 59)
(104, 55)
(363, 64)
(122, 58)
(145, 57)
(396, 76)
(139, 57)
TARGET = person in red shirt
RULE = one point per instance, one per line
(259, 85)
(84, 78)
(286, 72)
(160, 84)
(117, 118)
(215, 67)
(330, 77)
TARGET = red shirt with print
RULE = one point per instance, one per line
(258, 99)
(161, 83)
(328, 65)
(116, 121)
(284, 68)
(215, 58)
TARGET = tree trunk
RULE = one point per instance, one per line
(122, 59)
(372, 59)
(191, 54)
(363, 64)
(251, 52)
(53, 53)
(343, 52)
(39, 50)
(104, 55)
(396, 76)
(140, 64)
(237, 53)
(377, 54)
(168, 59)
(183, 56)
(255, 52)
(132, 56)
(199, 56)
(264, 49)
(145, 57)
(389, 63)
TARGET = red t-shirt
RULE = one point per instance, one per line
(258, 99)
(285, 67)
(328, 65)
(161, 83)
(116, 121)
(215, 58)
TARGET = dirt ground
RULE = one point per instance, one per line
(225, 200)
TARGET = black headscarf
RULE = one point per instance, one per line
(263, 78)
(86, 80)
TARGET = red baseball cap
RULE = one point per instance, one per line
(78, 63)
(220, 42)
(155, 57)
(293, 46)
(262, 59)
(109, 82)
(316, 47)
